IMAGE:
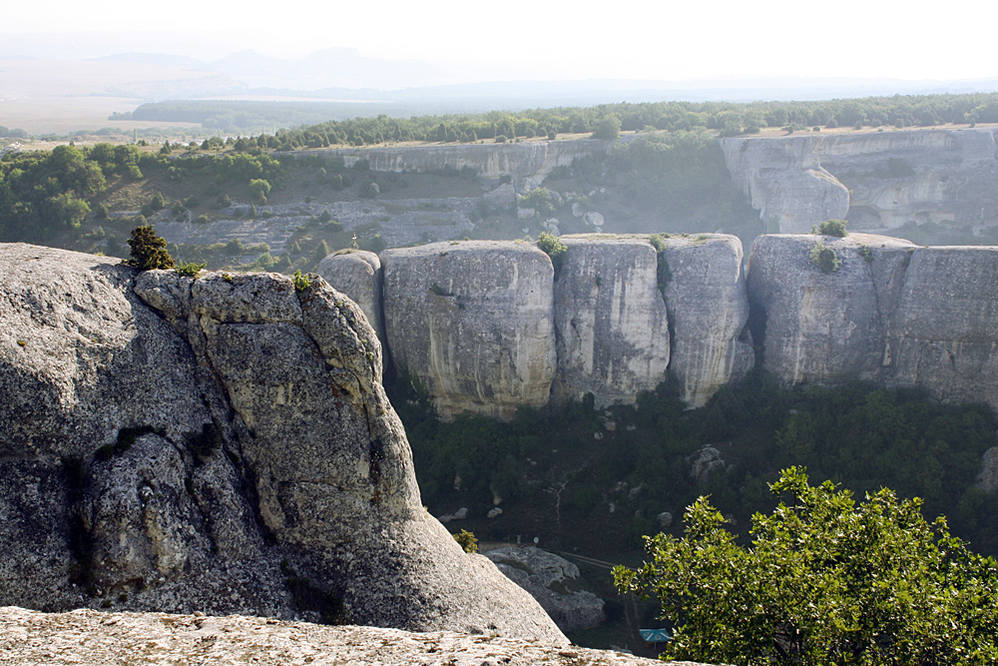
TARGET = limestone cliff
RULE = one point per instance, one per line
(473, 322)
(357, 274)
(942, 181)
(708, 313)
(892, 312)
(221, 444)
(610, 318)
(526, 163)
(486, 326)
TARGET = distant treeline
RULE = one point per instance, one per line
(12, 133)
(232, 116)
(726, 118)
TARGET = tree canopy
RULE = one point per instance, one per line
(825, 580)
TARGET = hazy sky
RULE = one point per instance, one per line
(529, 39)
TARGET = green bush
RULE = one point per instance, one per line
(467, 541)
(302, 281)
(825, 258)
(831, 228)
(148, 251)
(189, 269)
(552, 246)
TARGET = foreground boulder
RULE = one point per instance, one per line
(221, 445)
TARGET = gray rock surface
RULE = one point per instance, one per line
(943, 334)
(550, 579)
(610, 317)
(893, 313)
(825, 327)
(357, 274)
(943, 180)
(90, 637)
(987, 480)
(473, 322)
(707, 301)
(221, 444)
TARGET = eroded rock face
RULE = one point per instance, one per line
(473, 322)
(610, 318)
(357, 273)
(825, 326)
(893, 312)
(708, 313)
(221, 444)
(879, 181)
(943, 334)
(785, 181)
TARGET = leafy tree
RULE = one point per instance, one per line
(824, 581)
(608, 128)
(259, 188)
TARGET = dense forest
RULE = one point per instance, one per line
(616, 470)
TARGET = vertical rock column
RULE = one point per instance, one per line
(708, 312)
(610, 317)
(472, 321)
(357, 274)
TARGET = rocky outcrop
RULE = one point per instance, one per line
(552, 580)
(705, 295)
(472, 321)
(610, 317)
(943, 181)
(357, 273)
(221, 444)
(89, 637)
(892, 312)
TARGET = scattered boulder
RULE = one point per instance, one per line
(987, 479)
(705, 463)
(550, 579)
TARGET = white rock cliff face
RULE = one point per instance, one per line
(611, 321)
(221, 444)
(472, 320)
(708, 313)
(894, 313)
(879, 181)
(357, 273)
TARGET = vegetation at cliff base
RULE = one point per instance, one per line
(824, 580)
(599, 479)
